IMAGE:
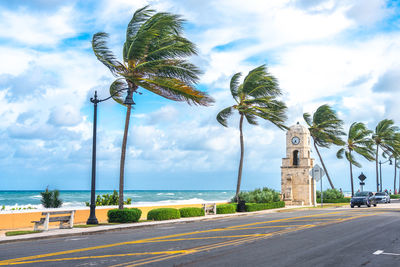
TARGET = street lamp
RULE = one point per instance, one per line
(128, 101)
(380, 172)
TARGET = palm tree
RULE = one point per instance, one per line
(384, 137)
(326, 129)
(359, 141)
(396, 156)
(154, 55)
(255, 98)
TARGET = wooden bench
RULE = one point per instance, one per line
(66, 221)
(210, 208)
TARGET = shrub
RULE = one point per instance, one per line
(331, 194)
(264, 206)
(191, 212)
(395, 196)
(109, 200)
(226, 208)
(124, 215)
(163, 214)
(265, 195)
(50, 199)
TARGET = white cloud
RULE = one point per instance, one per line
(37, 29)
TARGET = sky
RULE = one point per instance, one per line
(344, 53)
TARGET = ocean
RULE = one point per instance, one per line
(12, 200)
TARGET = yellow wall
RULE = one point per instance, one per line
(23, 220)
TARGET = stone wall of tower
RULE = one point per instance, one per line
(297, 186)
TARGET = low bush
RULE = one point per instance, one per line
(191, 212)
(51, 199)
(339, 200)
(109, 200)
(330, 194)
(163, 214)
(226, 208)
(395, 196)
(264, 206)
(265, 195)
(124, 216)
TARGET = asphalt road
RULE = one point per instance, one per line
(327, 237)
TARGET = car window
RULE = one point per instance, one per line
(361, 194)
(379, 194)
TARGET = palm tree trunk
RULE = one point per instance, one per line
(239, 180)
(377, 175)
(122, 163)
(323, 166)
(351, 178)
(395, 173)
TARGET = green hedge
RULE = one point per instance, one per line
(191, 212)
(226, 208)
(264, 206)
(163, 214)
(258, 195)
(395, 196)
(124, 216)
(340, 200)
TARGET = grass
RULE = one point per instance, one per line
(12, 233)
(92, 225)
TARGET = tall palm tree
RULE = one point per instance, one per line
(384, 137)
(359, 141)
(396, 156)
(154, 55)
(326, 129)
(255, 98)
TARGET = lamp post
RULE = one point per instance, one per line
(380, 172)
(128, 101)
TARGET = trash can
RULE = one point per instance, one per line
(241, 207)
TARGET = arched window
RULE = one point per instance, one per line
(296, 158)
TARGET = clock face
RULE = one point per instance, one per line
(295, 140)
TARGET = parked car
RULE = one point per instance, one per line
(363, 198)
(382, 197)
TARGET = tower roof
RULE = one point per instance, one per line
(298, 128)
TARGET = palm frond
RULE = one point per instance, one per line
(117, 90)
(104, 54)
(223, 115)
(340, 153)
(157, 26)
(251, 118)
(234, 85)
(176, 90)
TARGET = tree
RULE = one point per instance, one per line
(358, 141)
(384, 137)
(255, 98)
(326, 129)
(154, 55)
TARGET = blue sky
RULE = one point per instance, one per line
(344, 53)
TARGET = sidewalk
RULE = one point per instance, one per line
(105, 228)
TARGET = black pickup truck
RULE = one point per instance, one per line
(363, 198)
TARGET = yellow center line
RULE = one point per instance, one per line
(106, 256)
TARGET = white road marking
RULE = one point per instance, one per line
(379, 252)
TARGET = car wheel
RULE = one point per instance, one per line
(359, 206)
(352, 206)
(368, 204)
(389, 201)
(374, 205)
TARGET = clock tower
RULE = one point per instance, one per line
(297, 186)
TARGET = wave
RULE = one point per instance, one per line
(36, 197)
(165, 194)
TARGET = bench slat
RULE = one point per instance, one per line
(57, 219)
(57, 212)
